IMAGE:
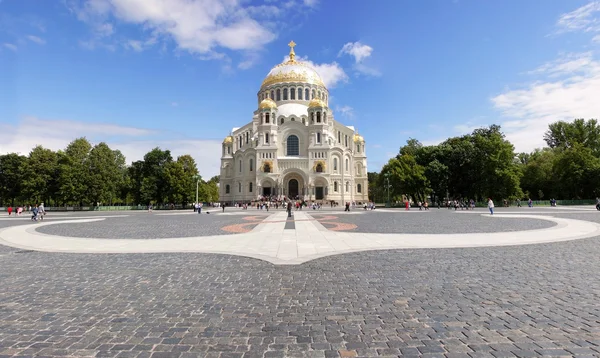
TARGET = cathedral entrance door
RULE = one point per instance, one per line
(293, 188)
(319, 193)
(267, 191)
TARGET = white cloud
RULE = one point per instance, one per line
(331, 73)
(566, 64)
(174, 104)
(358, 50)
(135, 45)
(11, 47)
(132, 142)
(582, 19)
(36, 39)
(311, 3)
(531, 108)
(345, 111)
(198, 26)
(596, 39)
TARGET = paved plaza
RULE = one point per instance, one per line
(251, 283)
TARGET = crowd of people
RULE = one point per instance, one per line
(37, 211)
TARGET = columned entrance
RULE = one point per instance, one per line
(293, 188)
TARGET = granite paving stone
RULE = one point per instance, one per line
(513, 301)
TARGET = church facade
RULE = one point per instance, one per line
(293, 147)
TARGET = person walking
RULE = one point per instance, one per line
(491, 206)
(9, 210)
(200, 208)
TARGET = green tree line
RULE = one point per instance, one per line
(82, 175)
(484, 164)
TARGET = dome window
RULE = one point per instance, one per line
(285, 94)
(278, 94)
(282, 120)
(306, 94)
(300, 93)
(292, 94)
(313, 94)
(267, 118)
(318, 117)
(272, 94)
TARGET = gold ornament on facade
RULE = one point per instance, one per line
(358, 138)
(228, 139)
(267, 163)
(316, 103)
(317, 163)
(267, 103)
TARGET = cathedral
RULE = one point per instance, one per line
(293, 147)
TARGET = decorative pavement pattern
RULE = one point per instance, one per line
(502, 301)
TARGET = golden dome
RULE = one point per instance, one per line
(228, 139)
(292, 71)
(316, 103)
(358, 138)
(267, 103)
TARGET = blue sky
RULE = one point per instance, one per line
(180, 74)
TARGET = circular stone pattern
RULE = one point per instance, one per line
(433, 222)
(148, 227)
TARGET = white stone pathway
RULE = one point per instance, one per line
(270, 241)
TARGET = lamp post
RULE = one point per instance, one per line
(197, 177)
(387, 178)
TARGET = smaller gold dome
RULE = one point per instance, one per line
(228, 139)
(267, 103)
(315, 103)
(358, 138)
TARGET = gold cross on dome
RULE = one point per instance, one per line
(292, 53)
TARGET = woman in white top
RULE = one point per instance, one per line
(491, 206)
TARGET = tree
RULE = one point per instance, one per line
(40, 175)
(11, 177)
(106, 168)
(537, 173)
(565, 135)
(577, 170)
(154, 184)
(73, 172)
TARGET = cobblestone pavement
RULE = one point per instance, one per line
(432, 222)
(154, 226)
(520, 301)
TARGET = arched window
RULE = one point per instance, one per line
(240, 166)
(227, 189)
(282, 120)
(312, 117)
(293, 145)
(251, 164)
(239, 187)
(300, 93)
(272, 94)
(248, 136)
(285, 94)
(303, 120)
(250, 187)
(335, 186)
(339, 137)
(313, 94)
(347, 187)
(266, 138)
(318, 117)
(358, 188)
(267, 118)
(278, 94)
(266, 168)
(346, 165)
(335, 164)
(306, 94)
(292, 93)
(346, 140)
(319, 168)
(322, 96)
(318, 137)
(358, 148)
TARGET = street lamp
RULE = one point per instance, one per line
(387, 178)
(197, 177)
